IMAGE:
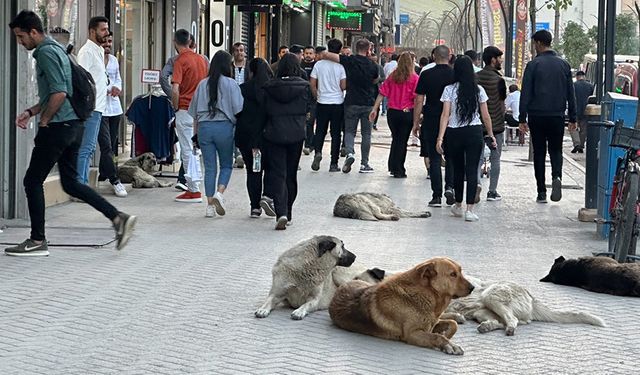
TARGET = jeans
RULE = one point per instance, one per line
(308, 142)
(330, 116)
(428, 138)
(88, 146)
(107, 167)
(254, 179)
(385, 103)
(352, 115)
(579, 136)
(184, 131)
(281, 175)
(546, 130)
(58, 143)
(465, 145)
(216, 142)
(400, 124)
(494, 159)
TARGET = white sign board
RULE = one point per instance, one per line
(217, 26)
(150, 76)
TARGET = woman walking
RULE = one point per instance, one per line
(249, 127)
(286, 100)
(214, 107)
(399, 89)
(463, 103)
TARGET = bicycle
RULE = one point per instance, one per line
(624, 206)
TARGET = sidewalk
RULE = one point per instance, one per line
(180, 298)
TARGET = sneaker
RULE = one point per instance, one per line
(375, 127)
(189, 197)
(124, 229)
(334, 168)
(267, 206)
(493, 196)
(365, 168)
(575, 149)
(556, 189)
(28, 248)
(218, 202)
(281, 223)
(210, 212)
(580, 150)
(470, 216)
(255, 213)
(448, 195)
(456, 210)
(478, 191)
(239, 163)
(541, 198)
(346, 168)
(306, 150)
(435, 202)
(119, 190)
(316, 162)
(181, 186)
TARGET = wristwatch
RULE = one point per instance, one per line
(28, 110)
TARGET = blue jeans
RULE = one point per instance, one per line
(88, 146)
(216, 140)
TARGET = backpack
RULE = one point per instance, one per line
(83, 99)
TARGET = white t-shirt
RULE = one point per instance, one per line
(512, 103)
(329, 74)
(390, 67)
(450, 94)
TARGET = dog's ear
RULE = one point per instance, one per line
(376, 273)
(325, 243)
(427, 271)
(546, 279)
(559, 259)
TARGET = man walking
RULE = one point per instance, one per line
(547, 88)
(58, 138)
(91, 57)
(430, 87)
(241, 75)
(283, 50)
(491, 80)
(583, 90)
(307, 64)
(188, 70)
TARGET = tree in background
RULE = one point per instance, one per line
(557, 6)
(626, 34)
(575, 43)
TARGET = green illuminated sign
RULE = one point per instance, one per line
(344, 20)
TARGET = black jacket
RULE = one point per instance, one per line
(547, 88)
(252, 119)
(286, 101)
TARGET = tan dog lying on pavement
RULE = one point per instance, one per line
(405, 306)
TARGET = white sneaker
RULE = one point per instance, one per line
(470, 216)
(210, 212)
(119, 190)
(456, 210)
(218, 202)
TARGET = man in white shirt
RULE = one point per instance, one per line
(512, 104)
(91, 57)
(328, 82)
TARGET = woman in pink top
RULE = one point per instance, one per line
(399, 89)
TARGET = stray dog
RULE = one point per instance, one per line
(405, 306)
(306, 276)
(136, 171)
(597, 274)
(503, 305)
(371, 206)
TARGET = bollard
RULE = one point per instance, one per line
(589, 212)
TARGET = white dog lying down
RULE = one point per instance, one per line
(502, 305)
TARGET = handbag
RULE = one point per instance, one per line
(194, 170)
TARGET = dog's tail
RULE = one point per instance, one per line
(542, 313)
(418, 214)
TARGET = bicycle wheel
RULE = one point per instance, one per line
(626, 223)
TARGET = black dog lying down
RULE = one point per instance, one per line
(597, 274)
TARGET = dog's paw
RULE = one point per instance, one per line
(485, 327)
(298, 314)
(459, 318)
(452, 349)
(262, 313)
(395, 217)
(510, 331)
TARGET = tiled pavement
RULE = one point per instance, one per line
(180, 298)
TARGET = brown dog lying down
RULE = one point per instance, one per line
(405, 306)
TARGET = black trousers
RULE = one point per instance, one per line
(58, 143)
(308, 142)
(465, 145)
(428, 138)
(546, 131)
(400, 124)
(114, 132)
(107, 167)
(254, 179)
(281, 175)
(329, 117)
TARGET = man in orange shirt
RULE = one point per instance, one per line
(188, 70)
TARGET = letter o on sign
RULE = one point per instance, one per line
(217, 33)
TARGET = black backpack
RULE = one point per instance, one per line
(83, 99)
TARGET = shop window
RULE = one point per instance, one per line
(59, 15)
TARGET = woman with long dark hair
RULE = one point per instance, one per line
(249, 129)
(287, 99)
(214, 107)
(463, 103)
(400, 90)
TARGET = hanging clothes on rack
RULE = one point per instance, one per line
(152, 116)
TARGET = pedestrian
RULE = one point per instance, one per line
(346, 51)
(547, 91)
(110, 122)
(512, 106)
(328, 82)
(307, 63)
(428, 93)
(463, 103)
(188, 70)
(388, 68)
(400, 90)
(241, 75)
(214, 107)
(282, 50)
(57, 140)
(494, 85)
(249, 127)
(476, 58)
(287, 98)
(378, 82)
(583, 90)
(91, 58)
(361, 93)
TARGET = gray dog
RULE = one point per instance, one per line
(371, 206)
(136, 171)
